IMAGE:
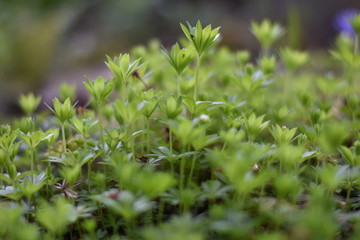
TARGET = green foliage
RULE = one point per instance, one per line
(200, 38)
(267, 33)
(29, 103)
(122, 68)
(178, 58)
(63, 111)
(99, 90)
(293, 59)
(172, 107)
(260, 151)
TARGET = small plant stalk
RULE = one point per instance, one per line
(171, 152)
(101, 126)
(63, 137)
(32, 152)
(148, 135)
(197, 77)
(123, 92)
(182, 171)
(192, 167)
(178, 84)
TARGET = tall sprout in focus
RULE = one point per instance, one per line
(100, 91)
(201, 39)
(123, 69)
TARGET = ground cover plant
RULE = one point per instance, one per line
(196, 142)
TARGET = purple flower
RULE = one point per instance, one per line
(343, 21)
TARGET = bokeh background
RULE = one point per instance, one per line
(46, 42)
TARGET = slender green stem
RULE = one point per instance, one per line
(123, 92)
(170, 143)
(148, 135)
(192, 167)
(178, 84)
(171, 151)
(63, 137)
(101, 126)
(143, 139)
(32, 164)
(197, 77)
(88, 175)
(182, 172)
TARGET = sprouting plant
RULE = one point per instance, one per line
(149, 107)
(83, 126)
(179, 59)
(100, 91)
(63, 112)
(10, 150)
(283, 135)
(254, 126)
(293, 59)
(123, 69)
(201, 39)
(268, 64)
(243, 57)
(31, 186)
(351, 156)
(267, 34)
(32, 140)
(29, 103)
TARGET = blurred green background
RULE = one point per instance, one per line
(45, 42)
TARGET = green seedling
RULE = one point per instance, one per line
(254, 126)
(25, 124)
(293, 59)
(100, 91)
(351, 156)
(63, 112)
(29, 103)
(32, 140)
(267, 34)
(283, 135)
(179, 59)
(268, 64)
(172, 107)
(201, 39)
(123, 69)
(83, 126)
(243, 57)
(128, 113)
(199, 107)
